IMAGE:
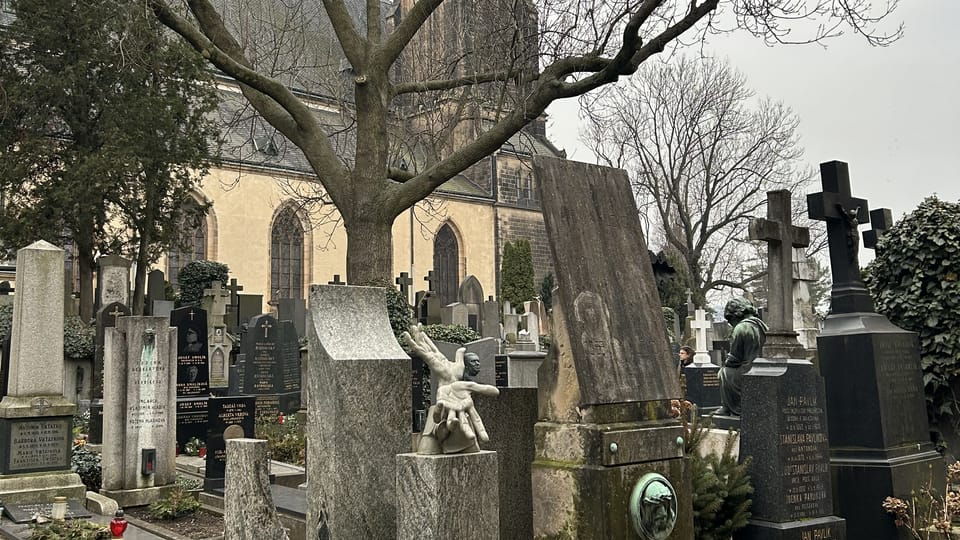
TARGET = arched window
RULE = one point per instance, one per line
(446, 264)
(193, 247)
(286, 256)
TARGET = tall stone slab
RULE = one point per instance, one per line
(113, 280)
(219, 347)
(36, 421)
(193, 375)
(248, 508)
(606, 385)
(358, 415)
(785, 435)
(107, 317)
(140, 412)
(876, 411)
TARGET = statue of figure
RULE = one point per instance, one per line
(853, 234)
(471, 366)
(746, 342)
(453, 424)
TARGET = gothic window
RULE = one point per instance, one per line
(286, 256)
(446, 265)
(193, 247)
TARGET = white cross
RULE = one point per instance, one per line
(699, 325)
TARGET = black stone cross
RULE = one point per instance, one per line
(336, 280)
(431, 280)
(234, 289)
(405, 282)
(881, 219)
(843, 214)
(117, 314)
(781, 236)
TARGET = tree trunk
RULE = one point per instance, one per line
(140, 276)
(85, 264)
(369, 251)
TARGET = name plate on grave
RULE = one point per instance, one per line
(806, 457)
(35, 445)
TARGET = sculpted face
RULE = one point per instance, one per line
(471, 364)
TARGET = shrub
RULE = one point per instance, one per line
(71, 529)
(81, 423)
(6, 319)
(546, 290)
(399, 312)
(914, 281)
(178, 503)
(516, 273)
(929, 513)
(78, 339)
(285, 442)
(86, 463)
(196, 276)
(451, 333)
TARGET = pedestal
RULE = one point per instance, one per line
(441, 497)
(703, 385)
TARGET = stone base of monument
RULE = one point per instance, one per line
(703, 385)
(40, 487)
(138, 496)
(829, 527)
(783, 345)
(447, 496)
(723, 422)
(583, 476)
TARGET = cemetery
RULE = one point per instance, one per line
(347, 288)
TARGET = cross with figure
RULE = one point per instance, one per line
(116, 314)
(843, 214)
(781, 236)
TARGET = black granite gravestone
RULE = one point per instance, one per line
(271, 366)
(418, 391)
(294, 310)
(156, 290)
(4, 364)
(784, 433)
(193, 388)
(876, 411)
(501, 372)
(106, 318)
(703, 386)
(228, 418)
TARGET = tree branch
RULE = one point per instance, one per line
(353, 45)
(408, 27)
(450, 84)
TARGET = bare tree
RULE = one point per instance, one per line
(498, 65)
(702, 152)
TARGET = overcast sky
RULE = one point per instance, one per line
(891, 112)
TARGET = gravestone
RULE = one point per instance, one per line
(785, 435)
(614, 379)
(455, 313)
(140, 383)
(703, 382)
(404, 283)
(806, 321)
(6, 293)
(229, 418)
(193, 382)
(156, 290)
(876, 411)
(4, 364)
(522, 368)
(162, 308)
(107, 317)
(781, 236)
(113, 280)
(233, 307)
(249, 306)
(36, 421)
(470, 295)
(531, 323)
(295, 311)
(538, 308)
(271, 369)
(354, 353)
(490, 318)
(219, 347)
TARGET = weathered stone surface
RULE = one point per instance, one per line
(101, 504)
(249, 512)
(140, 385)
(36, 342)
(619, 349)
(441, 497)
(358, 416)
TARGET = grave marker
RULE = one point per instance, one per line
(113, 280)
(271, 367)
(881, 220)
(229, 418)
(703, 382)
(193, 375)
(107, 317)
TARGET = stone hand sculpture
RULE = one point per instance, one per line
(453, 424)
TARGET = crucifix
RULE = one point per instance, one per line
(336, 280)
(843, 214)
(116, 314)
(781, 236)
(405, 282)
(881, 219)
(266, 328)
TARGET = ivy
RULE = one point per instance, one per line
(451, 333)
(196, 276)
(914, 282)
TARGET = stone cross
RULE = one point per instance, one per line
(234, 288)
(266, 328)
(116, 313)
(430, 279)
(405, 282)
(336, 280)
(41, 404)
(843, 214)
(881, 220)
(781, 236)
(700, 325)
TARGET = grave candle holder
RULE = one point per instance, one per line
(118, 525)
(59, 511)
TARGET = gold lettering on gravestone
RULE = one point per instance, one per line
(711, 379)
(817, 534)
(804, 446)
(39, 444)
